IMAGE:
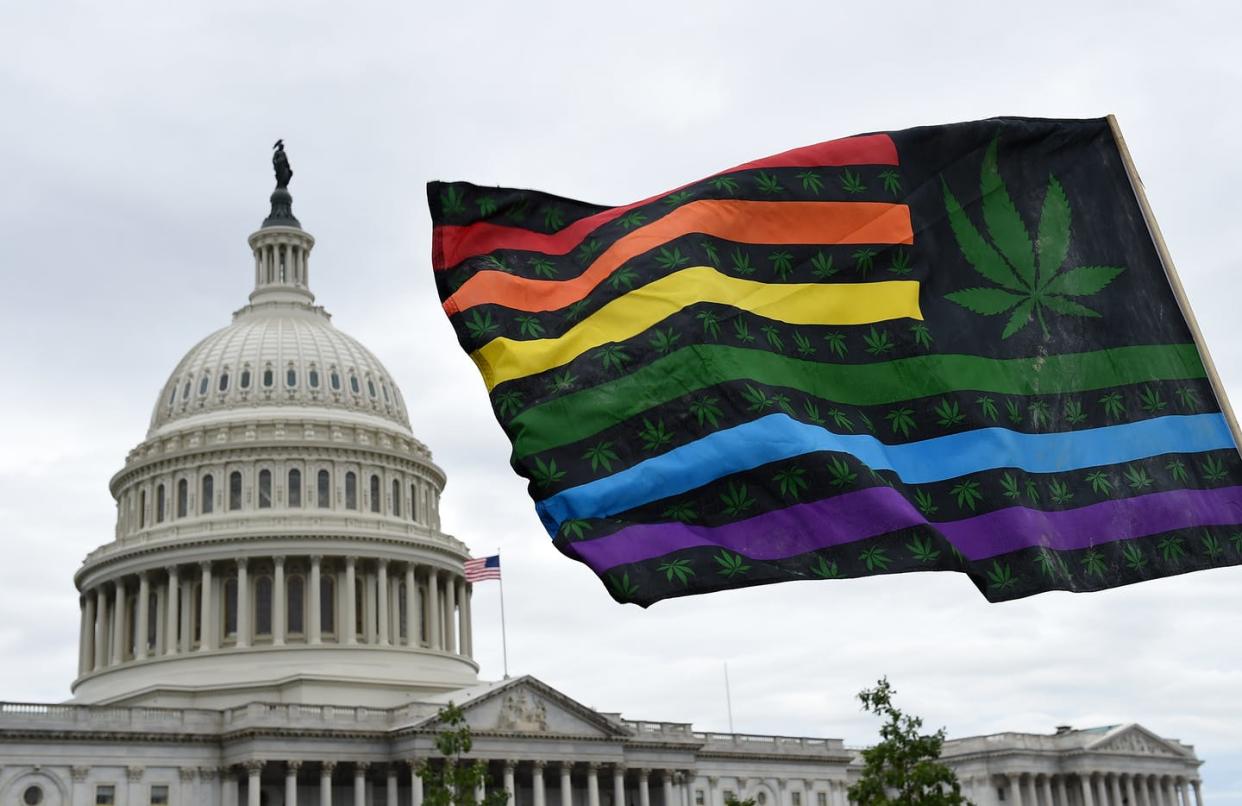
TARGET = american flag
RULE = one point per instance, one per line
(482, 568)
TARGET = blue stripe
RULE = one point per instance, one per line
(778, 436)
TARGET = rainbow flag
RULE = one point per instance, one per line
(951, 348)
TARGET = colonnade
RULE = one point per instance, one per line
(570, 783)
(273, 601)
(1096, 788)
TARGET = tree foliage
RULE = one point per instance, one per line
(453, 780)
(904, 766)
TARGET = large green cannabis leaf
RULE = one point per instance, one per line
(1027, 278)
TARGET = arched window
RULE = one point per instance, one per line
(183, 498)
(263, 606)
(203, 383)
(384, 387)
(223, 386)
(375, 493)
(131, 629)
(334, 379)
(396, 498)
(196, 614)
(359, 600)
(353, 383)
(413, 502)
(371, 387)
(235, 490)
(245, 379)
(159, 503)
(172, 398)
(268, 378)
(294, 608)
(265, 489)
(153, 607)
(230, 606)
(185, 393)
(291, 377)
(142, 509)
(295, 487)
(312, 378)
(351, 490)
(206, 500)
(327, 604)
(324, 490)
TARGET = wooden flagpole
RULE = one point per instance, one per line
(1175, 282)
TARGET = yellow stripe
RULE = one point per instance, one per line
(504, 359)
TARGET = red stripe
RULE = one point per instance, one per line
(453, 244)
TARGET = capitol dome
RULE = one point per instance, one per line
(278, 532)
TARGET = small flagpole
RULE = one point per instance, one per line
(728, 696)
(504, 638)
(1175, 282)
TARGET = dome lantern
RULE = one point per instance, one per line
(281, 248)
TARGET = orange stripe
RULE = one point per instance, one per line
(751, 222)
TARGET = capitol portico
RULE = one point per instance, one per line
(279, 619)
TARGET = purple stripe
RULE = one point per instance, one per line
(878, 510)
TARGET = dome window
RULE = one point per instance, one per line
(159, 503)
(351, 490)
(223, 386)
(371, 387)
(295, 487)
(183, 498)
(265, 489)
(185, 393)
(203, 383)
(375, 493)
(353, 384)
(335, 380)
(245, 379)
(205, 499)
(268, 378)
(323, 489)
(312, 378)
(172, 396)
(384, 386)
(291, 377)
(33, 796)
(235, 490)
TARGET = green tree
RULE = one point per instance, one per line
(904, 766)
(453, 780)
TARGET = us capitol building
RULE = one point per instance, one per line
(279, 618)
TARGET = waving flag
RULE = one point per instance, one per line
(947, 348)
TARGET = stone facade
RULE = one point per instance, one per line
(279, 619)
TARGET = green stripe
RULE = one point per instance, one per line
(578, 415)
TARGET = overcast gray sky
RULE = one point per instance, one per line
(134, 148)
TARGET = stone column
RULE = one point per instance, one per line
(1197, 784)
(416, 784)
(254, 770)
(411, 607)
(510, 784)
(350, 600)
(618, 785)
(325, 782)
(101, 628)
(367, 581)
(1084, 783)
(450, 614)
(172, 618)
(391, 783)
(187, 615)
(433, 603)
(360, 783)
(536, 783)
(207, 633)
(644, 787)
(567, 784)
(1185, 787)
(592, 778)
(1131, 796)
(140, 622)
(230, 787)
(1144, 785)
(667, 777)
(157, 648)
(291, 782)
(463, 617)
(278, 602)
(243, 603)
(316, 628)
(86, 656)
(1114, 785)
(381, 599)
(1015, 787)
(118, 622)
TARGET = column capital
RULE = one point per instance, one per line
(593, 767)
(326, 767)
(187, 774)
(144, 575)
(316, 558)
(781, 783)
(292, 767)
(644, 773)
(360, 767)
(242, 562)
(80, 773)
(566, 767)
(350, 561)
(205, 565)
(207, 773)
(510, 764)
(253, 766)
(171, 570)
(678, 776)
(134, 774)
(539, 764)
(619, 768)
(279, 560)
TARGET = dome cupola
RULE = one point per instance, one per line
(278, 533)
